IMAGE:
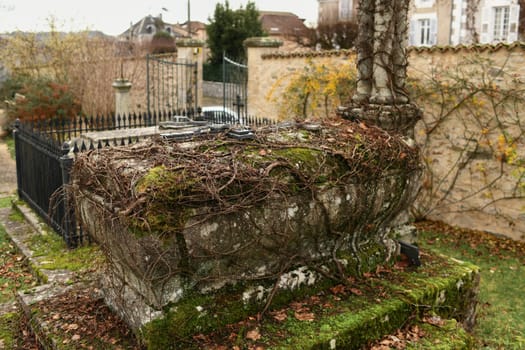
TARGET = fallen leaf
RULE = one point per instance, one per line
(254, 334)
(434, 320)
(356, 291)
(304, 316)
(280, 315)
(339, 289)
(72, 326)
(363, 126)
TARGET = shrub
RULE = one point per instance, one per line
(42, 98)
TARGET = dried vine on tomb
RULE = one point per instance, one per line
(231, 175)
(156, 191)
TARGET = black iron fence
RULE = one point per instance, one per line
(45, 148)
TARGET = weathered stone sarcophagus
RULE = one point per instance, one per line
(242, 222)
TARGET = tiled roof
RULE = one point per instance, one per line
(441, 49)
(282, 23)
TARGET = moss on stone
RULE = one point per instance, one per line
(384, 305)
(203, 313)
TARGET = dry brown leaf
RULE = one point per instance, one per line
(304, 316)
(434, 320)
(356, 291)
(75, 337)
(254, 334)
(328, 305)
(72, 326)
(280, 315)
(339, 289)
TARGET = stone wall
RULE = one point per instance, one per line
(215, 89)
(490, 199)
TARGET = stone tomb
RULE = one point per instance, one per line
(243, 222)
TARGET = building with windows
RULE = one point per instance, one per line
(440, 22)
(333, 11)
(286, 27)
(435, 22)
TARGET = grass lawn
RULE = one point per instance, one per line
(501, 312)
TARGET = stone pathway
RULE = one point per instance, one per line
(7, 171)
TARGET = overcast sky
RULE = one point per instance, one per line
(114, 16)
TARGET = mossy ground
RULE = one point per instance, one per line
(501, 313)
(52, 254)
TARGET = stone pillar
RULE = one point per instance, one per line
(380, 97)
(256, 48)
(192, 51)
(122, 99)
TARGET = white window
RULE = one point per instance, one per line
(501, 23)
(423, 30)
(345, 10)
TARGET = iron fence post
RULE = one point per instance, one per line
(147, 89)
(18, 157)
(66, 164)
(224, 79)
(196, 86)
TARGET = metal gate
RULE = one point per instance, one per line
(171, 84)
(235, 86)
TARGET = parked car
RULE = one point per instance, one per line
(220, 114)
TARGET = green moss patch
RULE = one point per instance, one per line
(51, 252)
(349, 316)
(5, 202)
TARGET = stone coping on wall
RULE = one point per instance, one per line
(262, 42)
(187, 42)
(419, 49)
